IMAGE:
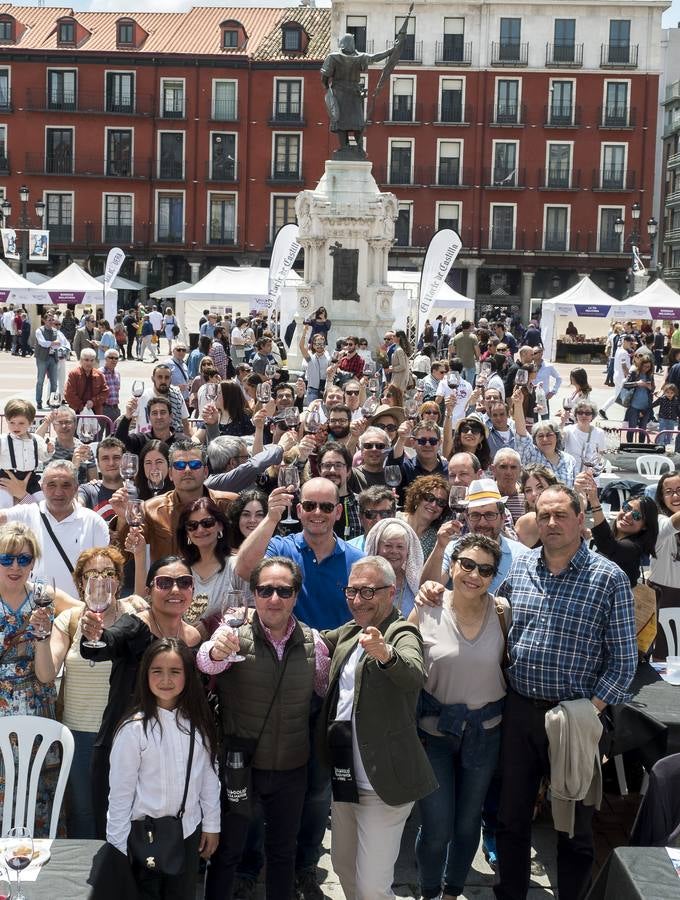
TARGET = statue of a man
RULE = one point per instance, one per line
(341, 76)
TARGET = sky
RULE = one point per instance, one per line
(672, 16)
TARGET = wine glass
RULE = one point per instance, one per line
(134, 513)
(18, 852)
(98, 593)
(369, 367)
(43, 596)
(263, 392)
(234, 614)
(369, 407)
(522, 377)
(373, 385)
(129, 465)
(271, 369)
(289, 477)
(456, 497)
(411, 407)
(453, 379)
(54, 400)
(137, 387)
(592, 461)
(568, 404)
(88, 428)
(211, 392)
(485, 370)
(392, 477)
(291, 416)
(313, 421)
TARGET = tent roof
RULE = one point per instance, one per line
(656, 294)
(584, 293)
(9, 279)
(37, 277)
(73, 278)
(171, 290)
(446, 296)
(122, 284)
(227, 283)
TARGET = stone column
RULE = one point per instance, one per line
(472, 266)
(525, 299)
(143, 277)
(195, 271)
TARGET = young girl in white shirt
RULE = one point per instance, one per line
(149, 763)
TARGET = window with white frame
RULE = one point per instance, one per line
(454, 40)
(172, 98)
(613, 167)
(119, 152)
(615, 104)
(403, 91)
(61, 88)
(286, 162)
(402, 227)
(288, 100)
(120, 92)
(451, 100)
(507, 101)
(448, 169)
(4, 90)
(609, 240)
(556, 228)
(558, 168)
(283, 212)
(222, 156)
(59, 216)
(408, 48)
(224, 100)
(59, 151)
(171, 155)
(505, 173)
(401, 162)
(170, 217)
(448, 216)
(4, 164)
(502, 228)
(117, 219)
(561, 101)
(222, 219)
(356, 26)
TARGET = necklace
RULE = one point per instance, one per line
(471, 621)
(158, 627)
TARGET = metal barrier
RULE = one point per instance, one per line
(105, 424)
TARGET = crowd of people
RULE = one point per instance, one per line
(387, 582)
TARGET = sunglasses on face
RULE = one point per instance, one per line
(390, 429)
(470, 429)
(352, 393)
(584, 412)
(206, 523)
(182, 464)
(366, 593)
(371, 514)
(486, 570)
(166, 582)
(373, 446)
(423, 442)
(23, 560)
(313, 505)
(284, 591)
(635, 513)
(430, 498)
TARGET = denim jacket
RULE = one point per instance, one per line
(458, 721)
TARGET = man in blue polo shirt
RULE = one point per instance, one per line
(326, 561)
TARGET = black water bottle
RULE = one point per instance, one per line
(237, 782)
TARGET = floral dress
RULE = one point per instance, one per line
(22, 694)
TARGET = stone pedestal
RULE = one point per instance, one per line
(347, 211)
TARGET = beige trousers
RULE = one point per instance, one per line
(365, 840)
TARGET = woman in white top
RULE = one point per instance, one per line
(460, 713)
(149, 763)
(583, 436)
(663, 568)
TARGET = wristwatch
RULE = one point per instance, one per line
(391, 661)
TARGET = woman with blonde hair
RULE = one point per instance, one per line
(397, 542)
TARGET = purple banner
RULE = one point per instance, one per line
(67, 296)
(663, 312)
(3, 296)
(595, 310)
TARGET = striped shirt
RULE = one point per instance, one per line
(572, 634)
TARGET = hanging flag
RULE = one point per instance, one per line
(113, 263)
(38, 245)
(9, 243)
(638, 267)
(440, 256)
(284, 253)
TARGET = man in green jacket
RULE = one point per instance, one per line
(369, 737)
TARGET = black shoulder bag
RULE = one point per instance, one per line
(158, 844)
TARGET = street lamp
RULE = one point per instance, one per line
(634, 238)
(24, 221)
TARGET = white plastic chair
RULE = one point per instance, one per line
(669, 621)
(21, 788)
(648, 464)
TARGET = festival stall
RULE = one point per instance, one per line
(75, 285)
(446, 302)
(15, 289)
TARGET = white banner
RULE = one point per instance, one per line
(440, 256)
(9, 243)
(38, 245)
(113, 263)
(284, 253)
(638, 267)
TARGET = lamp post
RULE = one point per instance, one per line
(634, 237)
(24, 221)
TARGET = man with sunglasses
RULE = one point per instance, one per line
(353, 399)
(375, 503)
(188, 472)
(376, 674)
(427, 461)
(374, 444)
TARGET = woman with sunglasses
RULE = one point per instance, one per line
(663, 569)
(544, 446)
(470, 435)
(170, 591)
(583, 435)
(84, 688)
(633, 534)
(534, 480)
(397, 542)
(426, 503)
(463, 649)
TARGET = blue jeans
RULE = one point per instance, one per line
(665, 439)
(637, 418)
(451, 817)
(80, 810)
(45, 367)
(469, 374)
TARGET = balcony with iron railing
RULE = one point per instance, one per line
(556, 240)
(87, 166)
(400, 174)
(287, 114)
(173, 110)
(452, 53)
(503, 177)
(562, 115)
(613, 178)
(671, 236)
(88, 102)
(567, 55)
(508, 114)
(402, 111)
(224, 171)
(509, 53)
(411, 50)
(559, 240)
(170, 170)
(672, 199)
(451, 112)
(223, 236)
(448, 174)
(286, 175)
(621, 55)
(616, 115)
(673, 161)
(559, 178)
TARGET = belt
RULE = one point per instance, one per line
(539, 703)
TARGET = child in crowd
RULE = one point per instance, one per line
(20, 451)
(669, 413)
(149, 762)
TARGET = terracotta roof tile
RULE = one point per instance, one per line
(315, 22)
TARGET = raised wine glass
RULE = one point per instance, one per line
(313, 421)
(263, 392)
(270, 369)
(592, 461)
(453, 379)
(43, 597)
(456, 497)
(134, 513)
(521, 377)
(568, 404)
(392, 476)
(371, 403)
(411, 407)
(211, 392)
(18, 853)
(234, 614)
(373, 385)
(369, 367)
(54, 400)
(98, 595)
(291, 416)
(289, 477)
(88, 428)
(137, 387)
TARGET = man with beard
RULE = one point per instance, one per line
(163, 387)
(339, 420)
(335, 463)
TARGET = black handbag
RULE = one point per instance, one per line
(158, 844)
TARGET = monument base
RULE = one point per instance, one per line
(346, 227)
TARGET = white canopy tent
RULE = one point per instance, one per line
(14, 288)
(233, 289)
(447, 302)
(75, 285)
(122, 284)
(583, 300)
(171, 291)
(657, 302)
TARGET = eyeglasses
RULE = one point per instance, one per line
(352, 393)
(284, 591)
(366, 593)
(671, 492)
(112, 356)
(470, 429)
(333, 465)
(469, 565)
(371, 514)
(635, 513)
(206, 523)
(23, 559)
(313, 505)
(373, 446)
(182, 464)
(584, 412)
(432, 441)
(95, 573)
(166, 582)
(487, 516)
(430, 498)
